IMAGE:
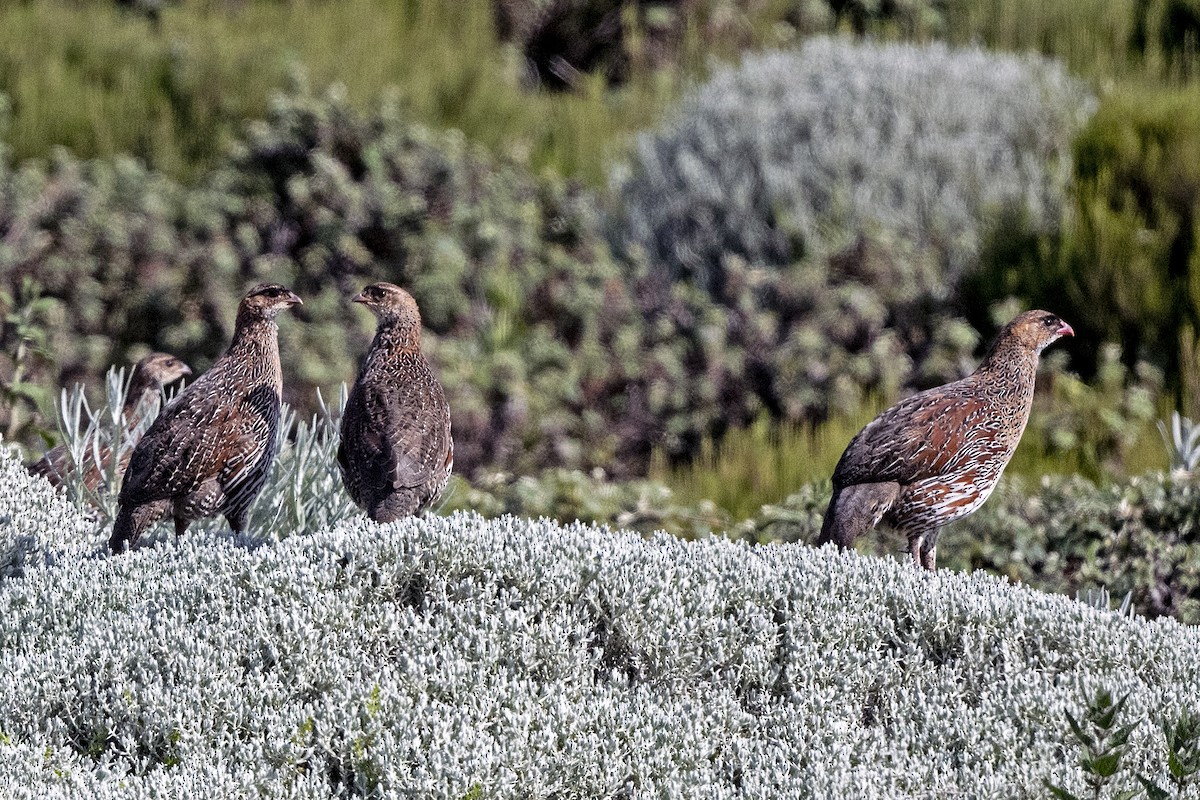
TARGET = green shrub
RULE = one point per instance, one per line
(1125, 266)
(26, 318)
(1104, 745)
(552, 352)
(107, 247)
(1103, 429)
(572, 496)
(760, 464)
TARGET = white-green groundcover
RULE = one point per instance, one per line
(463, 658)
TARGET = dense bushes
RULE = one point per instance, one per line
(832, 198)
(553, 352)
(557, 352)
(1127, 264)
(455, 657)
(97, 256)
(798, 153)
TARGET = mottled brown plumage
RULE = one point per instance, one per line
(396, 453)
(150, 375)
(936, 456)
(208, 452)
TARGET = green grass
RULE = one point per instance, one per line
(1090, 36)
(100, 81)
(764, 463)
(1094, 38)
(1145, 452)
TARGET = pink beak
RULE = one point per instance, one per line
(1066, 330)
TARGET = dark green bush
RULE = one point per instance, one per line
(112, 249)
(553, 352)
(821, 335)
(1125, 266)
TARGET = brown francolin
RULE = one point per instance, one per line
(396, 452)
(936, 456)
(209, 450)
(150, 375)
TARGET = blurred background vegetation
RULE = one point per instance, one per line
(696, 242)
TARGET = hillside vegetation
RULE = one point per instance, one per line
(562, 332)
(702, 241)
(455, 657)
(581, 328)
(1134, 537)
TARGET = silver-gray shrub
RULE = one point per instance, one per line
(456, 657)
(303, 489)
(800, 152)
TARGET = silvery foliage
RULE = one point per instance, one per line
(799, 152)
(303, 490)
(451, 657)
(38, 525)
(100, 438)
(1182, 442)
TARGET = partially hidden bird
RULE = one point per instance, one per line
(150, 375)
(935, 457)
(210, 449)
(396, 452)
